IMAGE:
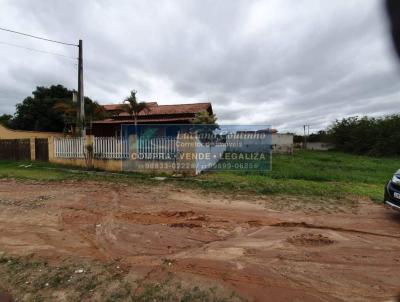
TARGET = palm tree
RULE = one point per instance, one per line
(134, 107)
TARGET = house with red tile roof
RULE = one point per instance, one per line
(156, 114)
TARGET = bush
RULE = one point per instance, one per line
(367, 136)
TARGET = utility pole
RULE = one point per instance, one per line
(75, 101)
(80, 123)
(81, 95)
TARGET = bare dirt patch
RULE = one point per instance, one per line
(238, 244)
(310, 239)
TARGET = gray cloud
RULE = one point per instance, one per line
(280, 62)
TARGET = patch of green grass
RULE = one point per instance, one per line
(43, 171)
(325, 175)
(333, 166)
(310, 173)
(29, 170)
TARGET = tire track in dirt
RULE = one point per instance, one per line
(243, 248)
(306, 225)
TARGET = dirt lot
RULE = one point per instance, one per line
(244, 244)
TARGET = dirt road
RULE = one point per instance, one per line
(240, 244)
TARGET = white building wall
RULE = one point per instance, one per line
(320, 146)
(282, 143)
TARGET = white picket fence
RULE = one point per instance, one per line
(159, 148)
(69, 147)
(110, 147)
(116, 148)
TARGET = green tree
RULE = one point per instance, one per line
(51, 109)
(204, 125)
(38, 113)
(134, 107)
(5, 119)
(205, 118)
(367, 135)
(320, 136)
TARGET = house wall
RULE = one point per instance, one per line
(238, 144)
(127, 128)
(182, 164)
(282, 139)
(320, 146)
(114, 165)
(6, 133)
(105, 130)
(151, 166)
(282, 143)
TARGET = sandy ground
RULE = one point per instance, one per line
(241, 243)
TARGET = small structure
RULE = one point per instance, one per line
(282, 143)
(319, 146)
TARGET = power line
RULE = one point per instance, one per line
(80, 64)
(36, 37)
(38, 50)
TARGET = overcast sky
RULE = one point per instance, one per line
(279, 62)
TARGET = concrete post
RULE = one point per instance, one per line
(131, 164)
(51, 148)
(133, 146)
(89, 139)
(33, 149)
(186, 157)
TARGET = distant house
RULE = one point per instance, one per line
(120, 120)
(282, 143)
(319, 146)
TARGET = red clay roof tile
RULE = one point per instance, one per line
(155, 109)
